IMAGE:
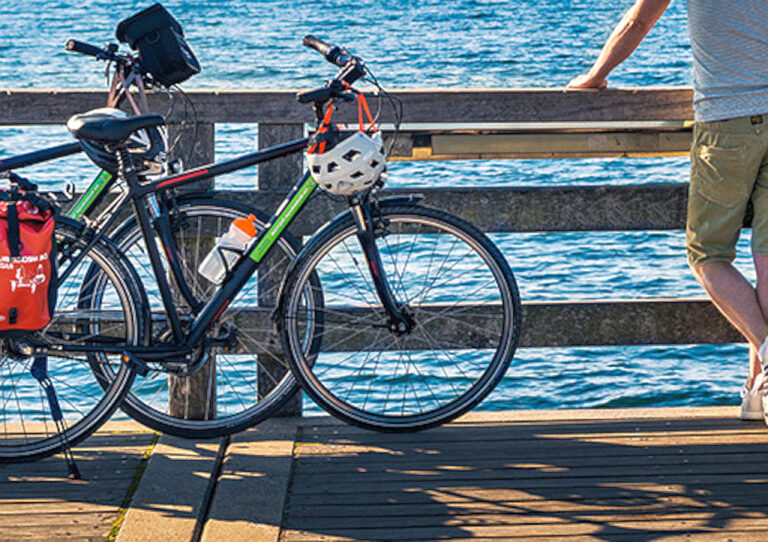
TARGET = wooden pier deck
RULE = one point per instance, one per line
(636, 474)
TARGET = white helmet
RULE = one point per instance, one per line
(351, 165)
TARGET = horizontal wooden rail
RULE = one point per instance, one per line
(521, 210)
(23, 106)
(501, 209)
(545, 324)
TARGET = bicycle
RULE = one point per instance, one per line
(318, 311)
(506, 319)
(189, 212)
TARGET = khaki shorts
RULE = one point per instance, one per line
(729, 168)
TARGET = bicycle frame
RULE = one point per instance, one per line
(142, 197)
(141, 194)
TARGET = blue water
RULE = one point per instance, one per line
(409, 44)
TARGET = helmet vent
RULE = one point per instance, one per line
(332, 166)
(357, 175)
(374, 163)
(316, 169)
(351, 155)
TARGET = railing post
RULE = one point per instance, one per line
(277, 175)
(194, 397)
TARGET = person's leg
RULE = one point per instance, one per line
(761, 268)
(735, 297)
(726, 161)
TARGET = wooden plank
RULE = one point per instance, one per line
(625, 323)
(578, 323)
(466, 473)
(545, 445)
(21, 106)
(540, 483)
(467, 432)
(544, 457)
(317, 472)
(38, 501)
(510, 209)
(523, 517)
(626, 505)
(507, 209)
(559, 145)
(570, 493)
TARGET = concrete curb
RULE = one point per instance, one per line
(170, 499)
(248, 501)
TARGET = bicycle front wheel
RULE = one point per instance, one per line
(100, 302)
(451, 279)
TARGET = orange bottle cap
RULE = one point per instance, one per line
(246, 225)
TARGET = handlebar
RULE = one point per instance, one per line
(352, 69)
(101, 53)
(84, 48)
(332, 53)
(317, 95)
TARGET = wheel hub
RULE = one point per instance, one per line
(404, 325)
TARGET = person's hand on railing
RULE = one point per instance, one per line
(587, 80)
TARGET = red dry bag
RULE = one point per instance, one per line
(27, 268)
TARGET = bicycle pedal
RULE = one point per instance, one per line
(138, 365)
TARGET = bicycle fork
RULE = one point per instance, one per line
(400, 320)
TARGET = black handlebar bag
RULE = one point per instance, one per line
(27, 267)
(159, 39)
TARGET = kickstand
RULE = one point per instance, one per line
(39, 371)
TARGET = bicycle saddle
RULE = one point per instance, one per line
(97, 126)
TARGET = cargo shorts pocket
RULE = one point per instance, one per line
(719, 170)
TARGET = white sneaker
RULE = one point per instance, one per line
(752, 401)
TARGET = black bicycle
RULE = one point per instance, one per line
(394, 316)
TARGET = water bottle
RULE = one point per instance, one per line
(228, 249)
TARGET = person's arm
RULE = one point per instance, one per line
(625, 38)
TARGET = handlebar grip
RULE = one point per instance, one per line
(319, 95)
(83, 48)
(318, 45)
(332, 53)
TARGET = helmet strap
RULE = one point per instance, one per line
(323, 128)
(362, 105)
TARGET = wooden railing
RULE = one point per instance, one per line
(486, 124)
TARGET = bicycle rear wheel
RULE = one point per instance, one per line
(246, 383)
(459, 291)
(99, 303)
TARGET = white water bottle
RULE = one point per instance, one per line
(228, 249)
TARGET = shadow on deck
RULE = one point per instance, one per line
(603, 475)
(643, 474)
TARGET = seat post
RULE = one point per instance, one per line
(126, 170)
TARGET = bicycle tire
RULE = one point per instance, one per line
(110, 281)
(411, 249)
(258, 400)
